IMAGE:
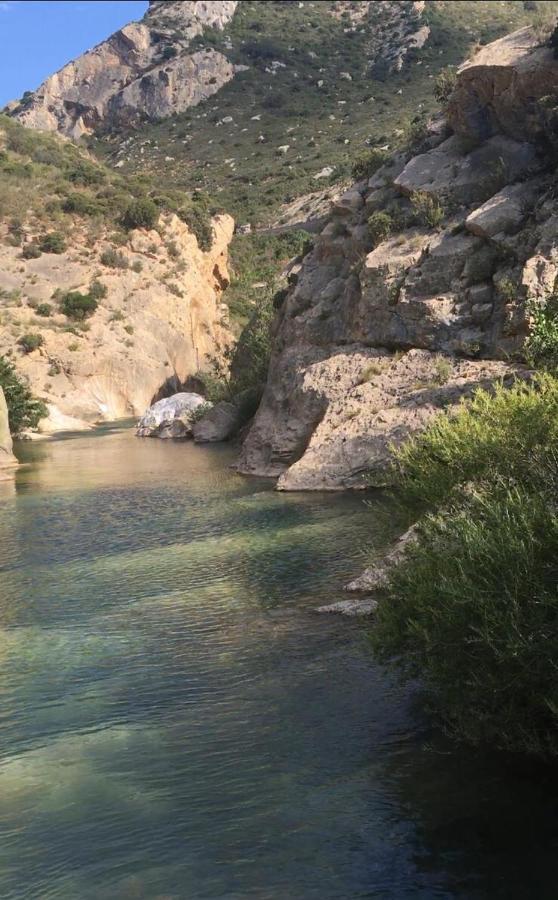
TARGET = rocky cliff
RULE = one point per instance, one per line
(145, 70)
(7, 459)
(160, 319)
(418, 287)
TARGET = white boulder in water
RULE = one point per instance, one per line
(171, 417)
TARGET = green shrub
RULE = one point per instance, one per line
(427, 209)
(368, 163)
(78, 306)
(541, 347)
(137, 266)
(81, 204)
(31, 251)
(83, 172)
(198, 220)
(444, 85)
(114, 259)
(24, 410)
(54, 242)
(494, 434)
(98, 290)
(31, 341)
(44, 309)
(380, 226)
(473, 611)
(142, 213)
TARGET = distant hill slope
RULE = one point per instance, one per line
(258, 103)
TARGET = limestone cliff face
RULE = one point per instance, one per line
(7, 459)
(380, 334)
(161, 319)
(145, 70)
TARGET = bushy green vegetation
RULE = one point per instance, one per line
(114, 259)
(256, 261)
(78, 306)
(427, 209)
(473, 608)
(141, 213)
(368, 162)
(380, 226)
(541, 347)
(53, 242)
(24, 410)
(48, 182)
(445, 85)
(30, 341)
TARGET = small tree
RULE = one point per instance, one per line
(142, 213)
(31, 341)
(54, 242)
(78, 306)
(24, 410)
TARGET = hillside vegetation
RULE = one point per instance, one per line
(317, 90)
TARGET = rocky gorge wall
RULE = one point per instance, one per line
(161, 319)
(383, 331)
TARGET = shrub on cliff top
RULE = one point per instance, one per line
(142, 213)
(24, 410)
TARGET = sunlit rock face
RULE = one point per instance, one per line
(161, 321)
(143, 71)
(384, 330)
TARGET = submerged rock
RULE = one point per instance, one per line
(171, 417)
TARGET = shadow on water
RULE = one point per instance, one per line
(177, 722)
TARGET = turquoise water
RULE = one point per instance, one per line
(177, 722)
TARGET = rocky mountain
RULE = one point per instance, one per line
(422, 283)
(145, 70)
(260, 103)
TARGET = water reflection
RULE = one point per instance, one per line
(176, 722)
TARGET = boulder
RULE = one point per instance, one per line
(7, 459)
(220, 423)
(171, 417)
(446, 172)
(504, 213)
(500, 89)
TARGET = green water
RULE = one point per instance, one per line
(177, 722)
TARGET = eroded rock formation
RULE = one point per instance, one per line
(145, 70)
(381, 332)
(161, 320)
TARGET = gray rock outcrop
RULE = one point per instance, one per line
(171, 417)
(144, 71)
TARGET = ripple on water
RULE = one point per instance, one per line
(176, 723)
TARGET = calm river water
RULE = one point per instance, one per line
(176, 723)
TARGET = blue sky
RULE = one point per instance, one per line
(37, 37)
